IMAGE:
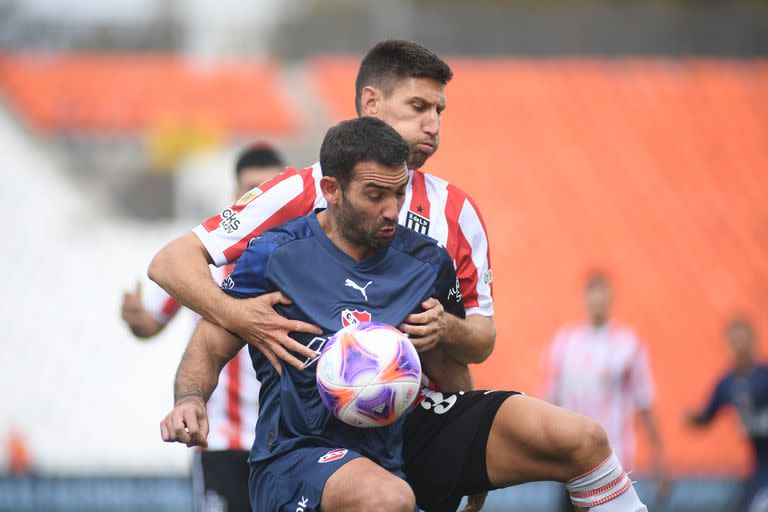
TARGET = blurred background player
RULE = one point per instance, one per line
(220, 473)
(745, 387)
(600, 369)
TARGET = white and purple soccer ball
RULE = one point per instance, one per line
(369, 374)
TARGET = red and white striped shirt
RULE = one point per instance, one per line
(602, 373)
(432, 207)
(234, 405)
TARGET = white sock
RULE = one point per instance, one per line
(606, 488)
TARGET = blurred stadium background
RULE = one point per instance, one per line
(630, 135)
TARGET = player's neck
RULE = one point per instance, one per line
(332, 231)
(744, 367)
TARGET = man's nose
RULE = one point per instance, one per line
(432, 123)
(391, 209)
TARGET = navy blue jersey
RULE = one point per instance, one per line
(748, 393)
(331, 290)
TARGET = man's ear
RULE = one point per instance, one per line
(370, 100)
(331, 190)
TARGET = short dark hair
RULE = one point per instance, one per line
(260, 154)
(393, 60)
(365, 139)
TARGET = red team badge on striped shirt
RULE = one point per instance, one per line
(333, 455)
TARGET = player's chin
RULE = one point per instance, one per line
(381, 242)
(418, 158)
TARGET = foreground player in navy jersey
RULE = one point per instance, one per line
(303, 457)
(744, 387)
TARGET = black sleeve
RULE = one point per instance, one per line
(447, 285)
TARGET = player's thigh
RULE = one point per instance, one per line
(310, 479)
(533, 440)
(294, 480)
(361, 484)
(444, 443)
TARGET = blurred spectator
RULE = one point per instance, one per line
(220, 474)
(600, 369)
(745, 387)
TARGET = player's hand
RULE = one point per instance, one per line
(139, 320)
(256, 321)
(131, 308)
(187, 423)
(475, 502)
(426, 329)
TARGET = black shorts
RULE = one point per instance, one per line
(220, 481)
(444, 442)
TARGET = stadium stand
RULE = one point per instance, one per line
(126, 93)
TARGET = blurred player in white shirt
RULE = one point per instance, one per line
(220, 473)
(600, 369)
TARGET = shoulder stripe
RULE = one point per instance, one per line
(286, 196)
(301, 204)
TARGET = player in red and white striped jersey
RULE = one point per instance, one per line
(601, 369)
(220, 473)
(455, 444)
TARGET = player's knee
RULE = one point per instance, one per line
(588, 446)
(595, 438)
(394, 496)
(585, 439)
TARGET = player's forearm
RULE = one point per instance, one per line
(210, 348)
(198, 372)
(181, 269)
(470, 340)
(447, 374)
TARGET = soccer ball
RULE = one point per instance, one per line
(369, 374)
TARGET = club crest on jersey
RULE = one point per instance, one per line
(417, 223)
(332, 455)
(354, 316)
(248, 197)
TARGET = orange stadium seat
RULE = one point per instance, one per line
(124, 93)
(652, 169)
